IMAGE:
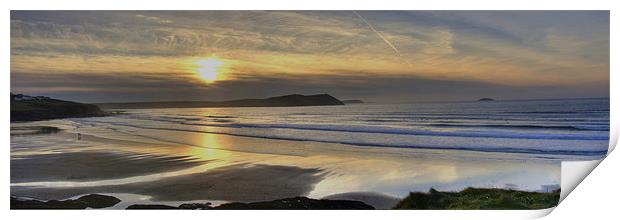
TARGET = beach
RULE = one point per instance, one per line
(176, 156)
(172, 174)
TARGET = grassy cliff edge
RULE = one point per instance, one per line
(480, 199)
(30, 108)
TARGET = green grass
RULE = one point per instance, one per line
(477, 198)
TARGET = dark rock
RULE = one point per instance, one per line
(374, 199)
(297, 203)
(194, 206)
(17, 203)
(153, 206)
(99, 201)
(486, 100)
(34, 130)
(90, 201)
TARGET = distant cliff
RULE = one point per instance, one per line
(279, 101)
(35, 108)
(353, 101)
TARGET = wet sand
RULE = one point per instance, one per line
(175, 167)
(93, 165)
(248, 183)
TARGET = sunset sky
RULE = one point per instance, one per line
(378, 56)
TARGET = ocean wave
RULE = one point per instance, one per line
(543, 127)
(216, 122)
(560, 112)
(476, 117)
(392, 145)
(409, 131)
(219, 116)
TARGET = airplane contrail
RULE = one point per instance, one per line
(381, 36)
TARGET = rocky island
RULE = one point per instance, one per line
(486, 100)
(353, 101)
(279, 101)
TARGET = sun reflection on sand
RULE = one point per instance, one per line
(211, 148)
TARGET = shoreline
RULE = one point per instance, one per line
(467, 199)
(204, 163)
(212, 159)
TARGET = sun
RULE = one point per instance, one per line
(210, 69)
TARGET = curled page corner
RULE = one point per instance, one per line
(613, 133)
(539, 213)
(573, 172)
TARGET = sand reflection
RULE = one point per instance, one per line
(173, 165)
(233, 183)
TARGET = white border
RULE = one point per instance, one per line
(585, 205)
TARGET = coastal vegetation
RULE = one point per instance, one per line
(470, 198)
(36, 108)
(479, 198)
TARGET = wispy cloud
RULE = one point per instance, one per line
(378, 34)
(154, 19)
